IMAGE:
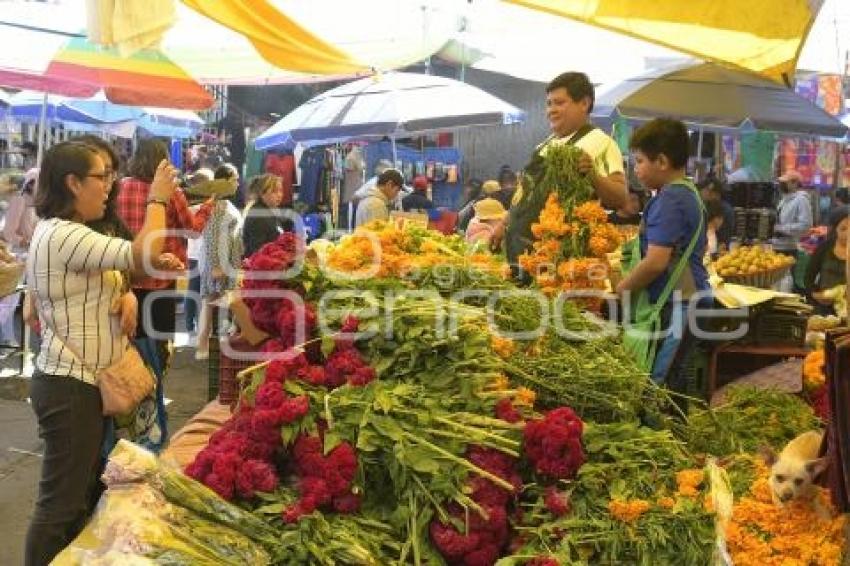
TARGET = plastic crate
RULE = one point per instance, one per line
(780, 329)
(229, 387)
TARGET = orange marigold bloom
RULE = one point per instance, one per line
(627, 511)
(504, 347)
(666, 502)
(688, 482)
(525, 396)
(590, 212)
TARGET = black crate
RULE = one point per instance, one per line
(779, 329)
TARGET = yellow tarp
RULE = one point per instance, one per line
(763, 36)
(279, 39)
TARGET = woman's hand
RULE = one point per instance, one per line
(127, 307)
(164, 181)
(168, 262)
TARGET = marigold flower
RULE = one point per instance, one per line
(525, 397)
(627, 511)
(688, 482)
(591, 212)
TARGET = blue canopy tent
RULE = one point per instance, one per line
(94, 113)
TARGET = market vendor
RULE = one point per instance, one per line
(793, 213)
(828, 266)
(672, 231)
(377, 201)
(569, 101)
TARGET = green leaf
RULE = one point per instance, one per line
(328, 345)
(421, 460)
(384, 401)
(383, 364)
(367, 441)
(271, 509)
(332, 440)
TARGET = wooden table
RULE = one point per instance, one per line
(779, 350)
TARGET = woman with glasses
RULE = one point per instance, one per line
(74, 274)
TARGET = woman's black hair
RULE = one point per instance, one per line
(713, 210)
(111, 224)
(53, 198)
(147, 158)
(836, 216)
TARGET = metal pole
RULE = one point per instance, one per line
(395, 153)
(42, 134)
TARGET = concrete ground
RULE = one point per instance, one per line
(20, 447)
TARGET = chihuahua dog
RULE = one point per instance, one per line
(793, 472)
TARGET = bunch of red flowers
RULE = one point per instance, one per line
(264, 272)
(556, 501)
(323, 479)
(488, 535)
(819, 400)
(506, 411)
(553, 444)
(238, 461)
(542, 561)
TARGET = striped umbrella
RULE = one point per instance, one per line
(80, 69)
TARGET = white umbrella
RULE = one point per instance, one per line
(392, 105)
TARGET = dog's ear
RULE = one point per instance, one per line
(815, 467)
(768, 455)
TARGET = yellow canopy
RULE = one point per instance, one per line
(762, 36)
(279, 39)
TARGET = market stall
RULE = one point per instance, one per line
(421, 409)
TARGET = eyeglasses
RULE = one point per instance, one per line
(106, 176)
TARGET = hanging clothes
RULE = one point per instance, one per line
(355, 166)
(312, 165)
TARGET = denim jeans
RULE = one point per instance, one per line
(71, 423)
(676, 349)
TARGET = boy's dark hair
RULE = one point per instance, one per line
(713, 209)
(577, 84)
(391, 176)
(53, 198)
(842, 195)
(663, 136)
(144, 162)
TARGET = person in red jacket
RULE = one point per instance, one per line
(133, 196)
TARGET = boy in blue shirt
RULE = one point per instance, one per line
(672, 219)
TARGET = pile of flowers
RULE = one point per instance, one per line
(239, 459)
(762, 533)
(486, 530)
(568, 254)
(382, 249)
(814, 383)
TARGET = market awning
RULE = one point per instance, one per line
(75, 67)
(761, 36)
(716, 97)
(277, 37)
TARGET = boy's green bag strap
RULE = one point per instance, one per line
(673, 280)
(647, 316)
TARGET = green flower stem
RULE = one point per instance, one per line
(483, 432)
(465, 463)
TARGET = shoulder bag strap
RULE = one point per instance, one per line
(673, 280)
